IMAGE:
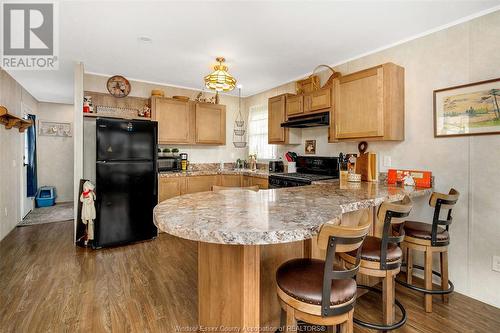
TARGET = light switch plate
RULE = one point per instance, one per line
(496, 263)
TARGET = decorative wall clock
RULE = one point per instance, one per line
(118, 86)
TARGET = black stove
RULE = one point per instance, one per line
(309, 169)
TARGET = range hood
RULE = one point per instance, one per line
(313, 120)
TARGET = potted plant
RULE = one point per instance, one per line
(166, 151)
(175, 151)
(160, 152)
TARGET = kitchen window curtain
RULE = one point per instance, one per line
(31, 158)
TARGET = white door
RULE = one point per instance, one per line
(27, 204)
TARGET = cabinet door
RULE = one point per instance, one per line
(173, 120)
(210, 123)
(246, 181)
(168, 187)
(276, 116)
(263, 183)
(231, 180)
(201, 183)
(294, 105)
(318, 100)
(359, 105)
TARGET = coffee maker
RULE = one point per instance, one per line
(184, 161)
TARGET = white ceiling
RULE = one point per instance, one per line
(265, 43)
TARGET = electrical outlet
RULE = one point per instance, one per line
(14, 164)
(387, 161)
(496, 264)
(6, 212)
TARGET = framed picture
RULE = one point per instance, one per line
(310, 147)
(470, 109)
(50, 128)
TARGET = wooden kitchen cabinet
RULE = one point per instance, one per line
(210, 123)
(276, 108)
(231, 180)
(369, 105)
(201, 183)
(174, 120)
(169, 187)
(263, 183)
(247, 181)
(294, 105)
(318, 100)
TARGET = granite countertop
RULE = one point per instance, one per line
(245, 172)
(269, 216)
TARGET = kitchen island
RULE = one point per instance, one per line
(243, 236)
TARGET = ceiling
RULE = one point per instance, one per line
(265, 43)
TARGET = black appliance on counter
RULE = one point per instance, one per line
(276, 166)
(169, 163)
(126, 181)
(309, 169)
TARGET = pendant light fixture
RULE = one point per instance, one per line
(240, 129)
(220, 79)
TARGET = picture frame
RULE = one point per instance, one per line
(469, 109)
(310, 147)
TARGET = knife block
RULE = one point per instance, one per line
(366, 165)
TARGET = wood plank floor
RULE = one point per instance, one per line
(48, 285)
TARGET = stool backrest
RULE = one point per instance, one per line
(392, 216)
(334, 239)
(217, 188)
(442, 201)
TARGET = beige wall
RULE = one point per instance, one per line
(16, 99)
(197, 154)
(458, 55)
(55, 154)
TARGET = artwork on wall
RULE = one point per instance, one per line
(470, 109)
(310, 147)
(50, 128)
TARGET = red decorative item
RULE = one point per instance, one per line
(421, 178)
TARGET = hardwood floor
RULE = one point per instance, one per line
(49, 285)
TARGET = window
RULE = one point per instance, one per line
(257, 134)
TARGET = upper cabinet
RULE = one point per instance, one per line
(369, 105)
(294, 105)
(173, 119)
(181, 122)
(210, 123)
(277, 107)
(318, 100)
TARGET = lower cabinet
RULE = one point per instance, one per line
(231, 180)
(263, 183)
(169, 187)
(201, 183)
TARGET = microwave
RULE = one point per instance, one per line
(276, 166)
(169, 163)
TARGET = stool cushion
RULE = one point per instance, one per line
(302, 279)
(371, 250)
(424, 231)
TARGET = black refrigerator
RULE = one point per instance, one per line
(126, 181)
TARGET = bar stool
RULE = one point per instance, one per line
(321, 292)
(430, 238)
(381, 257)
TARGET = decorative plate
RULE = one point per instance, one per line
(118, 86)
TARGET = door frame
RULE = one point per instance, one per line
(27, 203)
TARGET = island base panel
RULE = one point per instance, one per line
(237, 284)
